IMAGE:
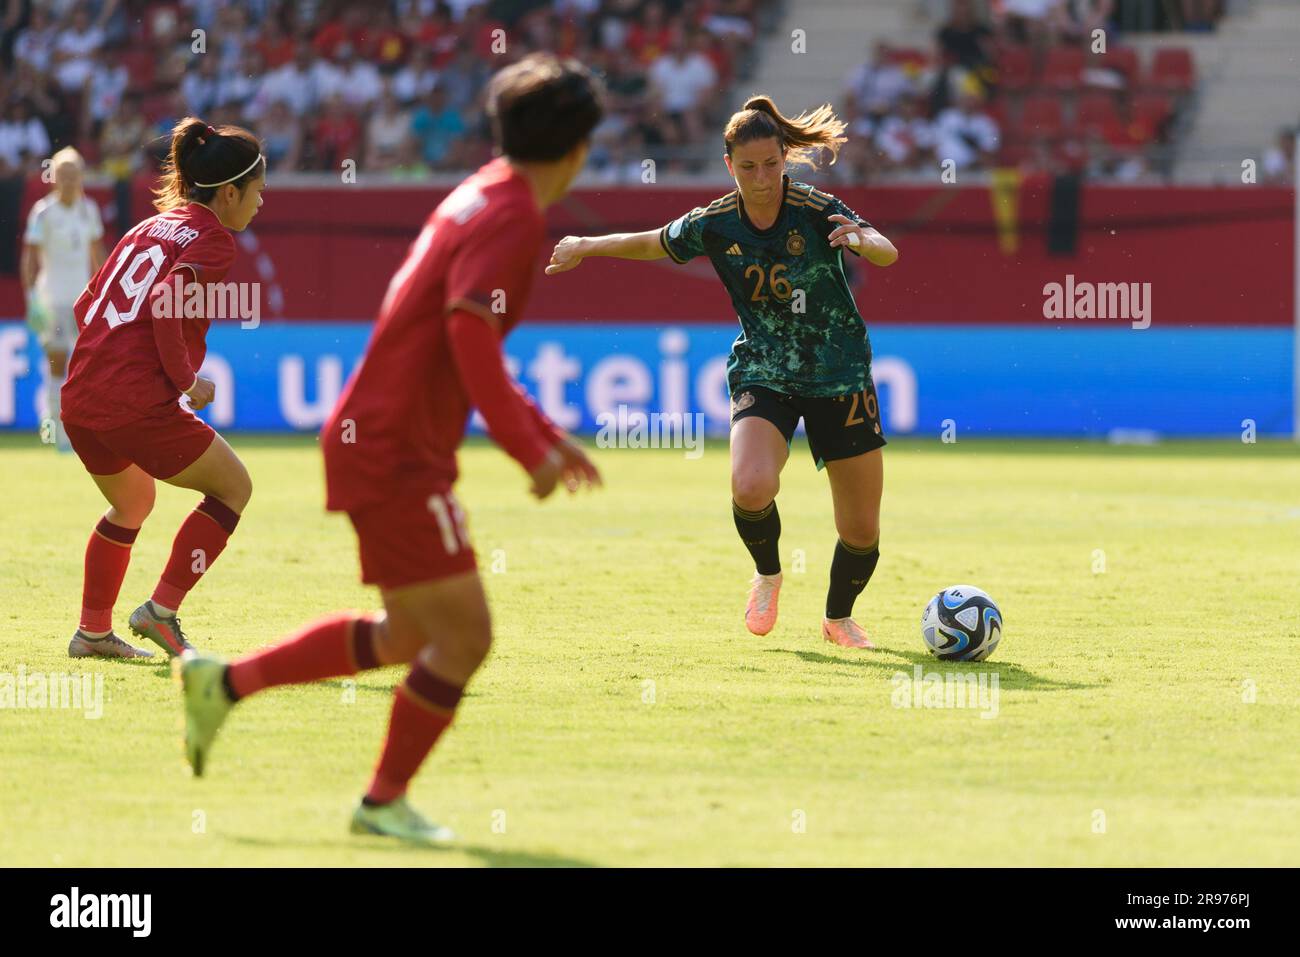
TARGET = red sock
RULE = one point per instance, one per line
(423, 706)
(202, 538)
(337, 645)
(107, 554)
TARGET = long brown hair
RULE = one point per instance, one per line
(201, 154)
(801, 138)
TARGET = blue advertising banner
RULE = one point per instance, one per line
(990, 380)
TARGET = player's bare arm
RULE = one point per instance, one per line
(572, 250)
(868, 242)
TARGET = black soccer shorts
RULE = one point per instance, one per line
(838, 427)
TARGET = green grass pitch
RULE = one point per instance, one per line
(1148, 690)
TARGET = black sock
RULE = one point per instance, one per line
(851, 569)
(761, 533)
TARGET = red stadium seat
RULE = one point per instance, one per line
(1172, 70)
(1042, 118)
(1063, 71)
(1096, 113)
(1012, 153)
(1120, 60)
(997, 109)
(140, 65)
(1153, 110)
(1015, 69)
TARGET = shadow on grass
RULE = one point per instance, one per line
(491, 856)
(889, 662)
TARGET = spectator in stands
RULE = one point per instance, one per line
(415, 78)
(275, 46)
(907, 138)
(409, 164)
(105, 87)
(858, 157)
(121, 140)
(880, 80)
(437, 125)
(34, 44)
(965, 40)
(281, 135)
(388, 128)
(74, 50)
(965, 45)
(231, 36)
(243, 87)
(303, 82)
(1079, 18)
(1279, 159)
(23, 140)
(964, 133)
(391, 46)
(651, 37)
(336, 134)
(202, 85)
(1031, 21)
(359, 81)
(681, 78)
(463, 79)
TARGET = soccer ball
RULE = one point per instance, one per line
(961, 623)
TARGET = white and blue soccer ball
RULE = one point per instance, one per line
(961, 623)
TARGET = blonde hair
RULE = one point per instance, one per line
(68, 156)
(801, 138)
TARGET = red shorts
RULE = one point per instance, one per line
(161, 445)
(410, 538)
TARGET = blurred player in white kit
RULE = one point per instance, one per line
(62, 248)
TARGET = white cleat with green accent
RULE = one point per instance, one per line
(206, 703)
(398, 819)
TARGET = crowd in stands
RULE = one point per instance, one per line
(397, 86)
(1017, 83)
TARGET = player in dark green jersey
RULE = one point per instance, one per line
(803, 352)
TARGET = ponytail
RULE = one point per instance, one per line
(203, 159)
(800, 138)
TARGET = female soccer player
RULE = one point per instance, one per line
(802, 351)
(390, 445)
(62, 248)
(135, 357)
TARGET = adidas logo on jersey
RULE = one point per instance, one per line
(734, 250)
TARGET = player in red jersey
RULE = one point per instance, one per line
(138, 351)
(390, 445)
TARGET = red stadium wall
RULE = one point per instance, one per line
(1213, 256)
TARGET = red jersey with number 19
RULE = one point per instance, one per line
(128, 365)
(403, 413)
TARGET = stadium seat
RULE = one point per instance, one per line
(1041, 118)
(1063, 71)
(1015, 69)
(1153, 110)
(1172, 71)
(1096, 112)
(140, 64)
(1117, 68)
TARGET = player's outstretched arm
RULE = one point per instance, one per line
(571, 250)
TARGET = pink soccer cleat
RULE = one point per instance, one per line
(845, 632)
(760, 613)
